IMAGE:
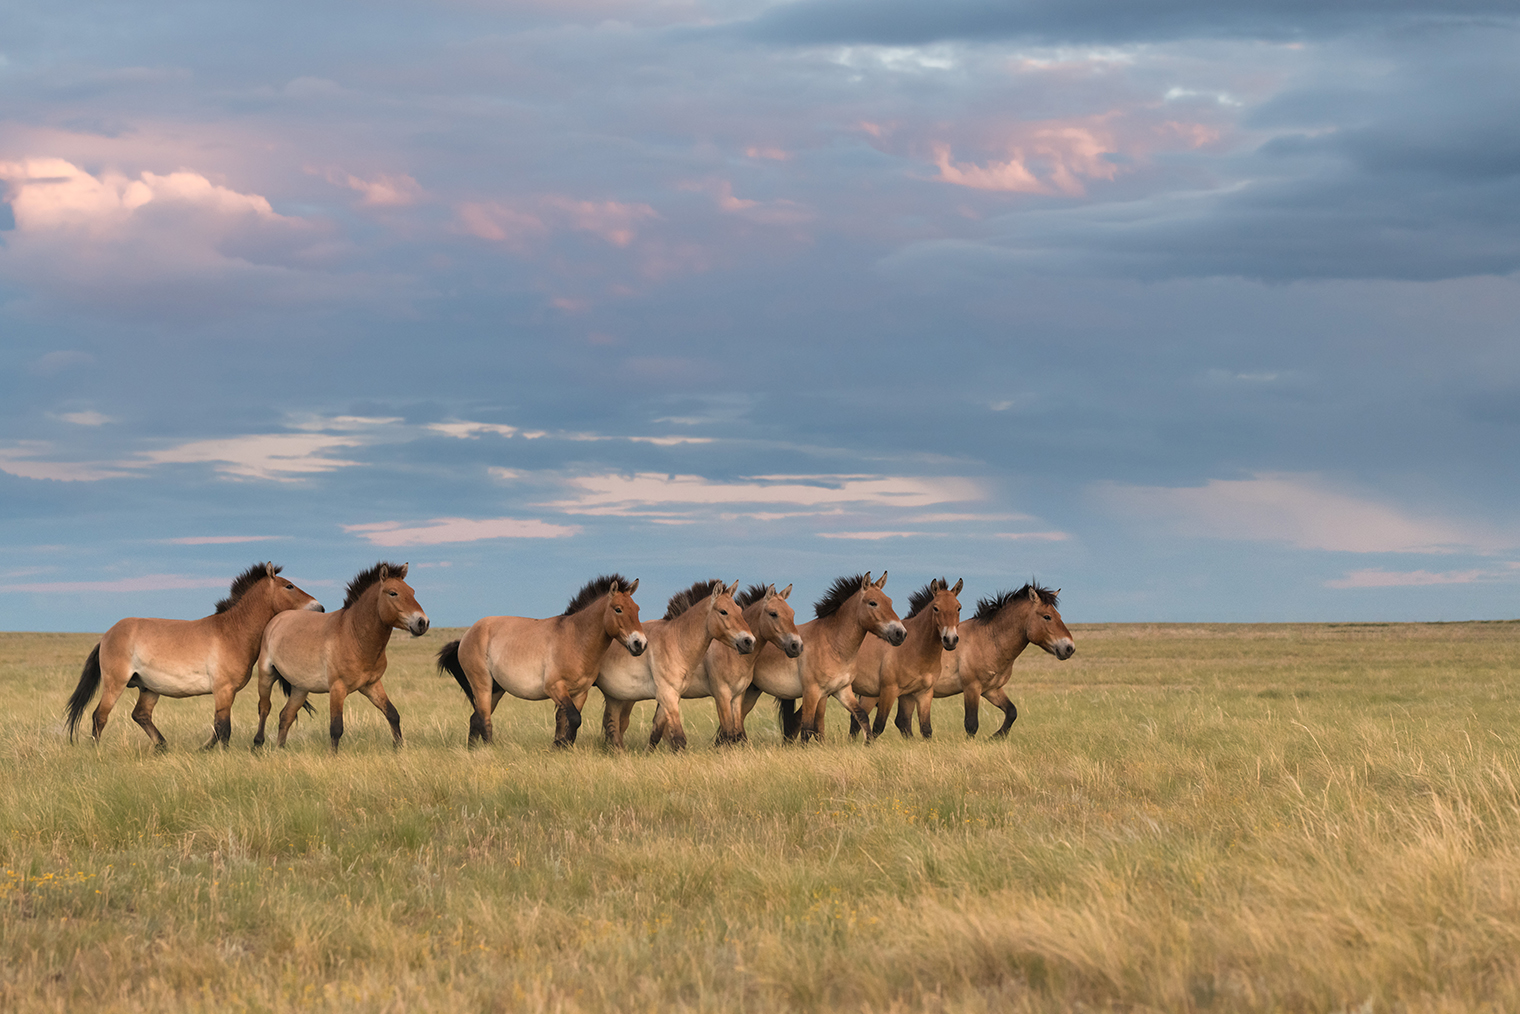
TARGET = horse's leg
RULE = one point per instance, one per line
(336, 695)
(221, 725)
(266, 689)
(624, 716)
(904, 720)
(846, 696)
(865, 702)
(925, 702)
(609, 722)
(657, 726)
(998, 698)
(889, 697)
(567, 717)
(813, 703)
(724, 701)
(380, 699)
(115, 674)
(667, 719)
(143, 716)
(289, 713)
(973, 695)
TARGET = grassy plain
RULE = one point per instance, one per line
(1231, 818)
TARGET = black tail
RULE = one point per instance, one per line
(285, 686)
(791, 718)
(89, 682)
(448, 662)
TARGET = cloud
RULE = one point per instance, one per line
(621, 494)
(85, 418)
(381, 192)
(279, 456)
(1374, 578)
(1033, 536)
(520, 225)
(20, 460)
(874, 536)
(471, 430)
(443, 530)
(147, 582)
(1299, 509)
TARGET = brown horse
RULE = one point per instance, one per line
(885, 675)
(1003, 626)
(552, 659)
(725, 675)
(186, 658)
(701, 616)
(853, 608)
(340, 653)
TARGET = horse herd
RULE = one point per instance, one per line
(711, 642)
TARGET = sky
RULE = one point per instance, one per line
(1195, 311)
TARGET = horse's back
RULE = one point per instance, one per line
(173, 658)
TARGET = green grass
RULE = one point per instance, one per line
(1233, 818)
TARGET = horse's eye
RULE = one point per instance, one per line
(391, 594)
(936, 609)
(723, 611)
(1047, 618)
(775, 614)
(290, 586)
(871, 604)
(617, 609)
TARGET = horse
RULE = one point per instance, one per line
(853, 608)
(1004, 625)
(186, 658)
(907, 673)
(724, 675)
(550, 659)
(340, 653)
(703, 615)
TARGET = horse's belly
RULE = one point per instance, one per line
(624, 682)
(784, 680)
(696, 684)
(175, 682)
(314, 681)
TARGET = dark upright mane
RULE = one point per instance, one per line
(924, 596)
(366, 579)
(682, 601)
(244, 582)
(986, 609)
(593, 590)
(754, 593)
(842, 590)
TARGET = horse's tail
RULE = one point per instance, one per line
(89, 682)
(791, 718)
(285, 686)
(448, 662)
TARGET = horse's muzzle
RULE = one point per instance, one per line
(896, 634)
(793, 646)
(1064, 650)
(745, 644)
(418, 626)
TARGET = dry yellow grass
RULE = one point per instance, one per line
(1232, 818)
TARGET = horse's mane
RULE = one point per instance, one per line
(843, 588)
(365, 579)
(593, 590)
(682, 601)
(244, 582)
(754, 593)
(924, 596)
(987, 608)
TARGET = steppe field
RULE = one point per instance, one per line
(1209, 818)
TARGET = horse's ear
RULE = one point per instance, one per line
(633, 587)
(269, 569)
(729, 591)
(1034, 596)
(957, 589)
(400, 575)
(865, 581)
(782, 594)
(1056, 594)
(612, 589)
(385, 571)
(881, 581)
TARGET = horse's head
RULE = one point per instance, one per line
(1043, 625)
(620, 618)
(777, 622)
(397, 603)
(725, 620)
(945, 611)
(285, 595)
(872, 609)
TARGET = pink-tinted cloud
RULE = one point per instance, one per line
(280, 456)
(21, 459)
(217, 540)
(875, 536)
(619, 494)
(521, 224)
(384, 191)
(444, 530)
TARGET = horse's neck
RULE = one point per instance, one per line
(589, 636)
(754, 616)
(1005, 636)
(246, 620)
(922, 645)
(843, 636)
(364, 624)
(687, 637)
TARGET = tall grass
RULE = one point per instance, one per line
(1273, 818)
